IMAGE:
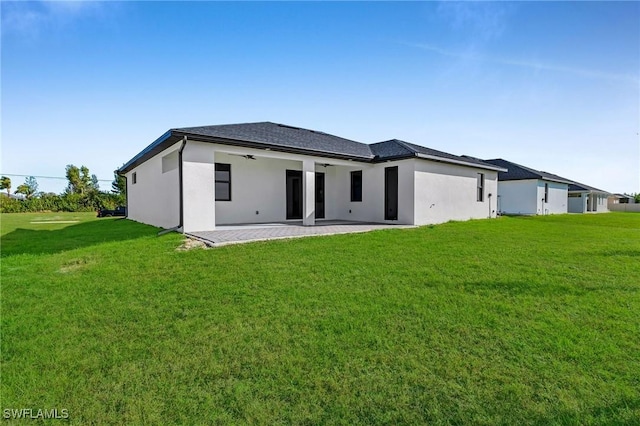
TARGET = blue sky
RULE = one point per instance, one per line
(553, 86)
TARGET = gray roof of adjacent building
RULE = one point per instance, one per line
(519, 172)
(581, 187)
(285, 138)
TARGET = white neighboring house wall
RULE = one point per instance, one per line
(518, 196)
(578, 202)
(602, 205)
(588, 202)
(446, 192)
(154, 199)
(527, 197)
(556, 200)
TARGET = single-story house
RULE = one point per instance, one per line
(620, 199)
(587, 199)
(523, 190)
(196, 178)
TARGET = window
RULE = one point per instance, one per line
(480, 195)
(223, 182)
(546, 192)
(356, 186)
(134, 178)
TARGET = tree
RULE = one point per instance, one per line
(119, 184)
(94, 183)
(79, 180)
(5, 183)
(637, 197)
(29, 188)
(119, 189)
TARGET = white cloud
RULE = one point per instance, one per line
(534, 65)
(485, 20)
(30, 19)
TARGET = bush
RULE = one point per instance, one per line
(61, 203)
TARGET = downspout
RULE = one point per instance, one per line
(184, 143)
(490, 216)
(126, 197)
(180, 191)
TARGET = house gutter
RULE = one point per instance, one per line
(180, 191)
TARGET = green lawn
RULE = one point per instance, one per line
(529, 320)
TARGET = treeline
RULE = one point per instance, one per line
(82, 194)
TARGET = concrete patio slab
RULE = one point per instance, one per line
(236, 234)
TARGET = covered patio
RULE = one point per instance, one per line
(244, 233)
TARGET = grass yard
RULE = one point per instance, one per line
(529, 320)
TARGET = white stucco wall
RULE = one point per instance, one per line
(259, 185)
(258, 191)
(446, 192)
(603, 206)
(519, 196)
(557, 200)
(588, 203)
(154, 198)
(526, 197)
(198, 184)
(372, 207)
(428, 191)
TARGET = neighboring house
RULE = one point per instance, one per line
(587, 199)
(523, 190)
(193, 179)
(620, 199)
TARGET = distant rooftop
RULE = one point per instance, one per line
(581, 187)
(519, 172)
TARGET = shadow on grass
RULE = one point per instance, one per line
(536, 289)
(623, 412)
(30, 241)
(616, 253)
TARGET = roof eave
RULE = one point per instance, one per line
(144, 155)
(460, 162)
(271, 147)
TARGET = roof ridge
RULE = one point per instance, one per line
(407, 145)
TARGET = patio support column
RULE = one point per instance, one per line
(308, 192)
(199, 191)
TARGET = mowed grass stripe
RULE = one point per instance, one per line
(531, 320)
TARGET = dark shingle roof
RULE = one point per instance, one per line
(519, 172)
(395, 149)
(390, 149)
(581, 187)
(280, 137)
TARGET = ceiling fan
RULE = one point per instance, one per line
(247, 156)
